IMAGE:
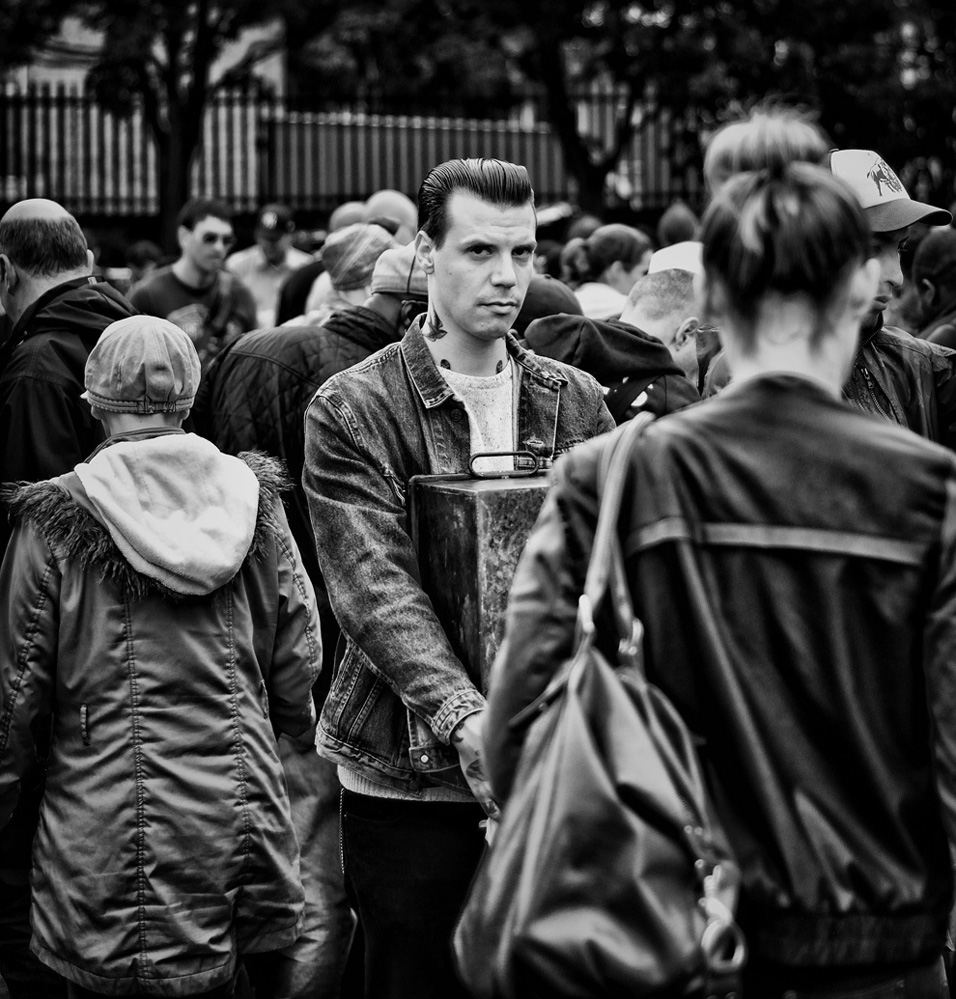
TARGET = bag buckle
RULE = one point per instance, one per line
(723, 944)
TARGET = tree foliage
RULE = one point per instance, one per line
(878, 73)
(24, 25)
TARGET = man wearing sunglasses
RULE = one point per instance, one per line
(196, 292)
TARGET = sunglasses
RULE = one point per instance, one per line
(214, 237)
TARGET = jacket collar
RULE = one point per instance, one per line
(21, 329)
(432, 387)
(137, 435)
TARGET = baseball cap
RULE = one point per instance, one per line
(684, 256)
(888, 207)
(397, 272)
(142, 364)
(274, 221)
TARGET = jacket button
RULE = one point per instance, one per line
(424, 757)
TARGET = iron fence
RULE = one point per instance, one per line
(57, 142)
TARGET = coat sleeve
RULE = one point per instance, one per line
(542, 609)
(29, 602)
(369, 565)
(297, 649)
(944, 375)
(940, 664)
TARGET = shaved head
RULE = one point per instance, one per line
(38, 209)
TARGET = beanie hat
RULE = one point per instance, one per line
(884, 199)
(350, 254)
(398, 272)
(142, 364)
(546, 296)
(935, 258)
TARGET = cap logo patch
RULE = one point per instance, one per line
(881, 174)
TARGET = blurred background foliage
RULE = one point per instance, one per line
(876, 73)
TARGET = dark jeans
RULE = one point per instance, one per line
(922, 982)
(408, 867)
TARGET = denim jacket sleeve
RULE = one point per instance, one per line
(368, 561)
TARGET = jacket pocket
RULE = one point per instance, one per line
(364, 713)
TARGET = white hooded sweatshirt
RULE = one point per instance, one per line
(179, 510)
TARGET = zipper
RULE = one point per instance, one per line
(871, 388)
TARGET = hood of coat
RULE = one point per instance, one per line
(178, 509)
(608, 350)
(80, 305)
(74, 526)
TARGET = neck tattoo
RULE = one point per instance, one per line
(500, 367)
(435, 328)
(444, 364)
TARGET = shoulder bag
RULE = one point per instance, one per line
(609, 875)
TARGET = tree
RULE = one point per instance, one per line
(876, 72)
(161, 53)
(405, 55)
(25, 24)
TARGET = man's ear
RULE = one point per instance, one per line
(9, 275)
(686, 332)
(90, 261)
(926, 291)
(182, 234)
(425, 252)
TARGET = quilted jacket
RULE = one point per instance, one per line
(165, 846)
(255, 395)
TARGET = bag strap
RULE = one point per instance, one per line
(606, 567)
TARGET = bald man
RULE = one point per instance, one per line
(58, 311)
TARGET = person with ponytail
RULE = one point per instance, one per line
(603, 268)
(793, 562)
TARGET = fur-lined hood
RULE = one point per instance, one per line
(75, 529)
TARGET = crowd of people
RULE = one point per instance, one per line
(239, 754)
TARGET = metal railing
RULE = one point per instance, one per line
(57, 142)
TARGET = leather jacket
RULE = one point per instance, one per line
(800, 612)
(909, 381)
(895, 376)
(398, 690)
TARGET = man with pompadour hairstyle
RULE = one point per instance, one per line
(403, 719)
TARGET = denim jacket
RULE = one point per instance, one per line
(399, 691)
